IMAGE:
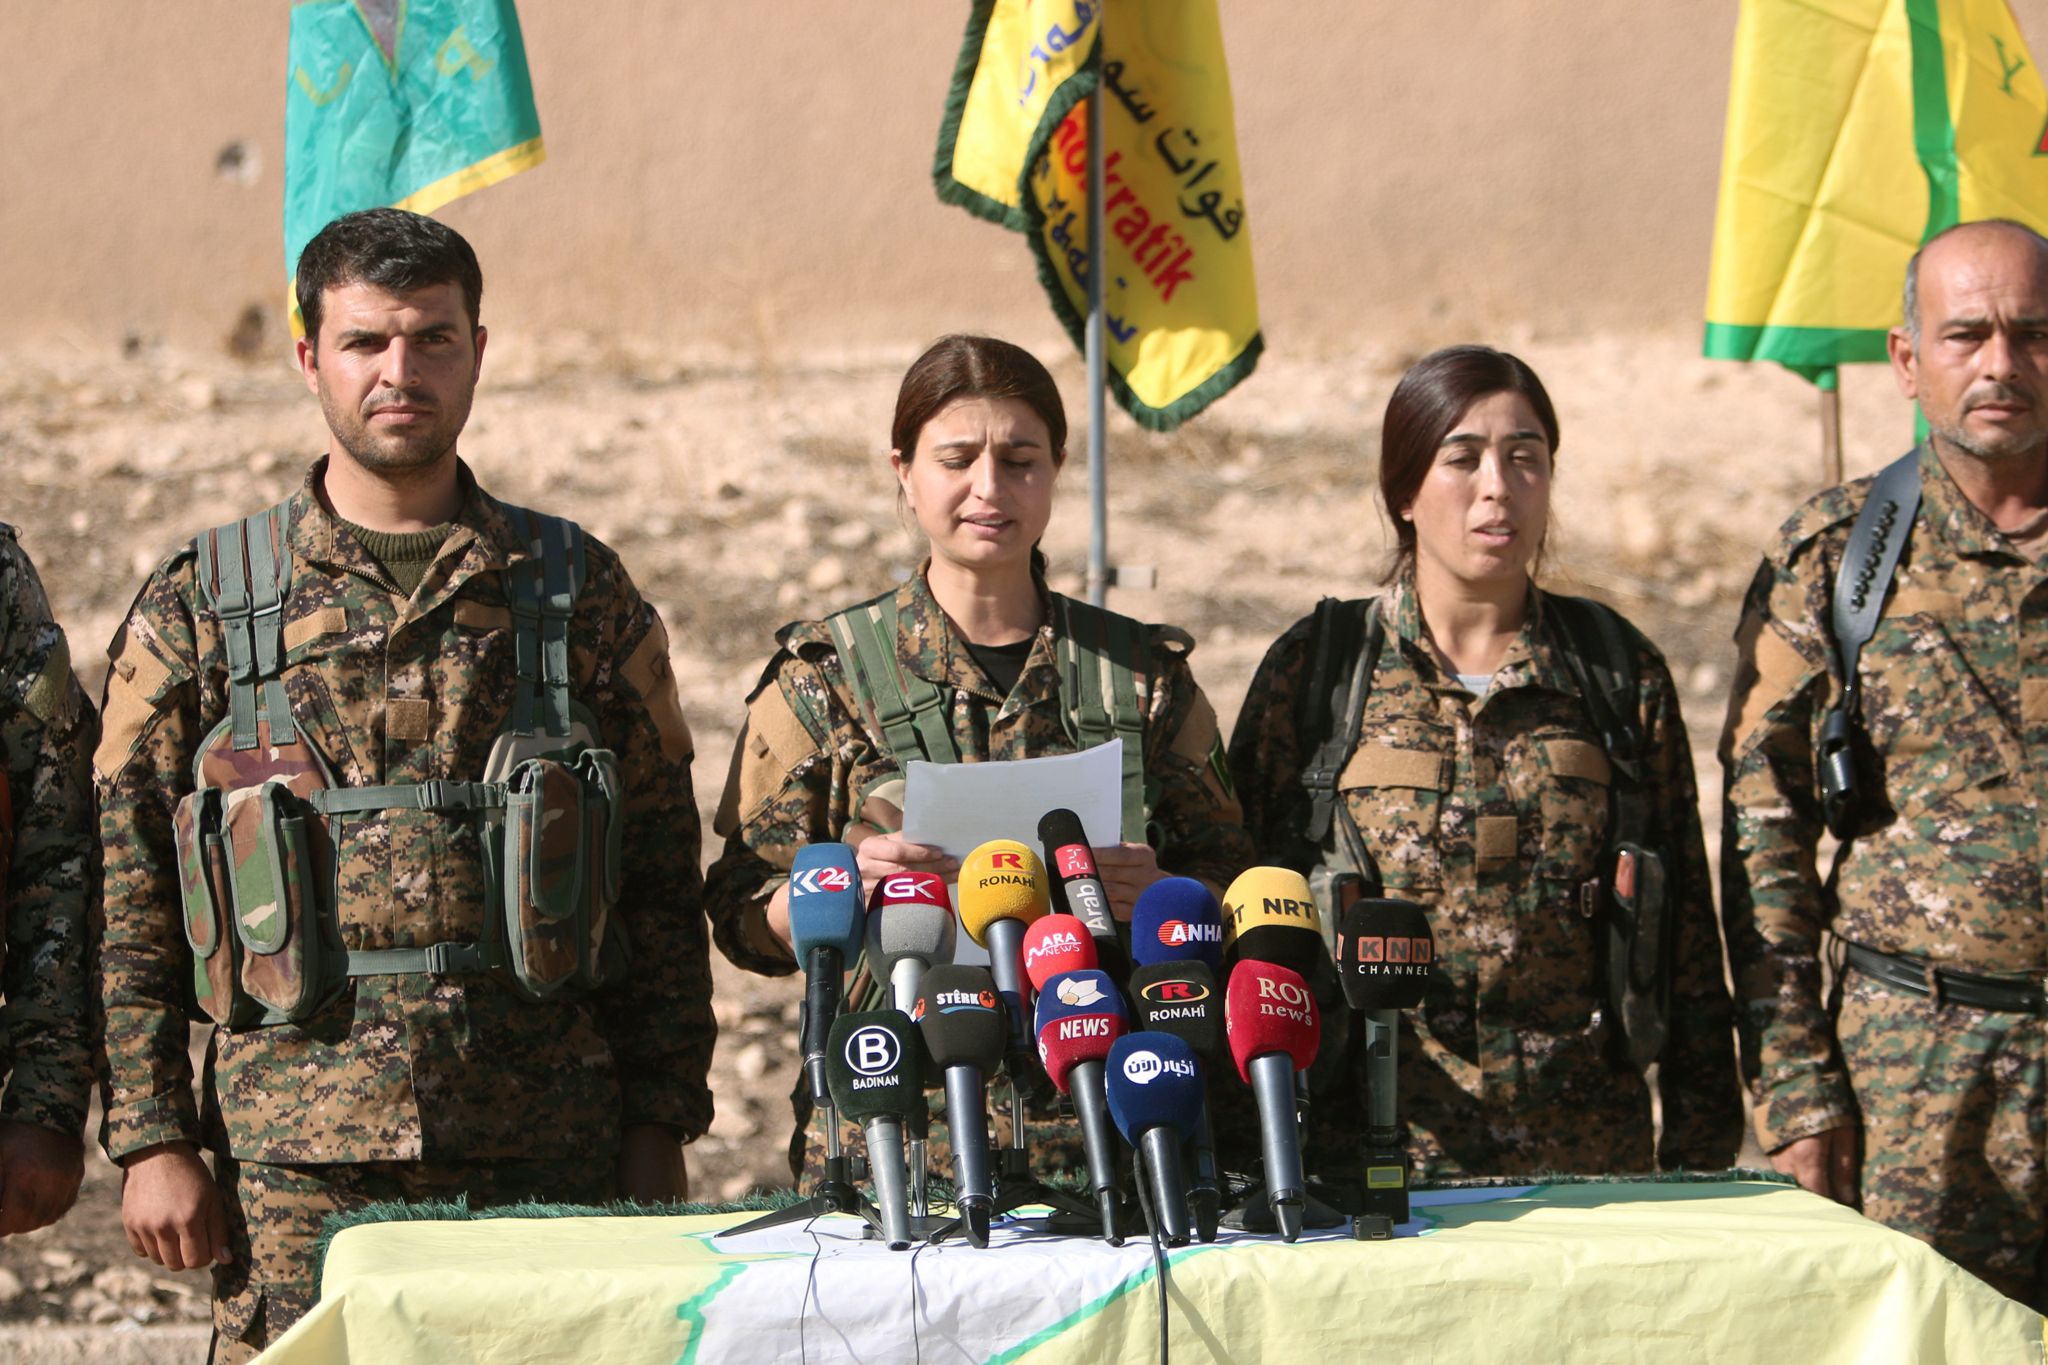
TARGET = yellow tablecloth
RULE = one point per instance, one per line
(1746, 1272)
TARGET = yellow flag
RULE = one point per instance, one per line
(1179, 299)
(1856, 130)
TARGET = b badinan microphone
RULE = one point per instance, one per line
(1080, 1015)
(1385, 954)
(1077, 888)
(825, 931)
(1155, 1096)
(873, 1070)
(1174, 920)
(1183, 999)
(961, 1017)
(1270, 914)
(1055, 944)
(1271, 1020)
(910, 928)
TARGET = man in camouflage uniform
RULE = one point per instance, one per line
(49, 890)
(1933, 1111)
(399, 667)
(807, 768)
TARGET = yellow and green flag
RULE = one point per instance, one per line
(1180, 303)
(1856, 130)
(411, 103)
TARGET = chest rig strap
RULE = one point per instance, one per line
(1100, 653)
(245, 570)
(910, 710)
(542, 595)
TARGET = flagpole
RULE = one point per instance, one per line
(1831, 434)
(1098, 475)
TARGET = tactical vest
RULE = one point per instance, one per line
(1099, 655)
(1627, 890)
(6, 854)
(258, 834)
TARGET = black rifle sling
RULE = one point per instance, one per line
(1347, 639)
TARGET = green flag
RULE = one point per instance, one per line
(410, 103)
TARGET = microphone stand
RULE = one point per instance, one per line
(1017, 1188)
(1384, 1204)
(1254, 1213)
(834, 1191)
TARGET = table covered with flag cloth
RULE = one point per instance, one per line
(1735, 1271)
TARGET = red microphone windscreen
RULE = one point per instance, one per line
(1080, 1016)
(1055, 944)
(1269, 1008)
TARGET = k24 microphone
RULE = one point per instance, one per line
(825, 923)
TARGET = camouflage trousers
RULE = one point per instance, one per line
(1954, 1105)
(275, 1215)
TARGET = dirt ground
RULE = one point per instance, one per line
(743, 498)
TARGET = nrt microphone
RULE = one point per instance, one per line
(1077, 888)
(1175, 919)
(1055, 944)
(1155, 1096)
(1270, 914)
(910, 928)
(825, 930)
(1385, 953)
(1271, 1020)
(1080, 1014)
(961, 1017)
(875, 1077)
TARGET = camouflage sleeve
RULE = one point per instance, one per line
(47, 732)
(1265, 757)
(1773, 905)
(149, 731)
(1201, 824)
(1702, 1127)
(658, 1020)
(779, 796)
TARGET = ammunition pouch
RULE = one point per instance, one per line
(555, 872)
(1633, 900)
(1835, 758)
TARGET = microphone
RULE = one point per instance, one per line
(1177, 918)
(825, 930)
(875, 1077)
(961, 1017)
(1385, 953)
(1080, 1015)
(1077, 888)
(1272, 1024)
(1002, 889)
(1182, 999)
(1270, 914)
(910, 927)
(1055, 944)
(1155, 1096)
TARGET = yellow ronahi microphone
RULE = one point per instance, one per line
(1269, 915)
(1002, 881)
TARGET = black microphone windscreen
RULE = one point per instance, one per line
(1385, 953)
(1180, 998)
(961, 1017)
(873, 1065)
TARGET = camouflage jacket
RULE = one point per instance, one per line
(51, 892)
(1947, 862)
(807, 757)
(403, 1067)
(1492, 812)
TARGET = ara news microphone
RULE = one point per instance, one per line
(1055, 944)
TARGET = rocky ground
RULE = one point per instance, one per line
(744, 495)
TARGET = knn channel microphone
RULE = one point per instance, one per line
(1385, 954)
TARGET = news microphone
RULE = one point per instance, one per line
(961, 1017)
(825, 930)
(875, 1078)
(1270, 914)
(1080, 1015)
(1273, 1027)
(1077, 888)
(910, 928)
(1055, 944)
(1177, 918)
(1155, 1097)
(1385, 953)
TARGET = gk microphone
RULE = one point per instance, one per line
(910, 927)
(825, 930)
(1385, 953)
(873, 1071)
(1270, 914)
(1080, 1014)
(1271, 1021)
(1077, 888)
(1175, 919)
(1055, 944)
(961, 1017)
(1155, 1096)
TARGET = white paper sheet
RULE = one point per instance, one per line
(959, 806)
